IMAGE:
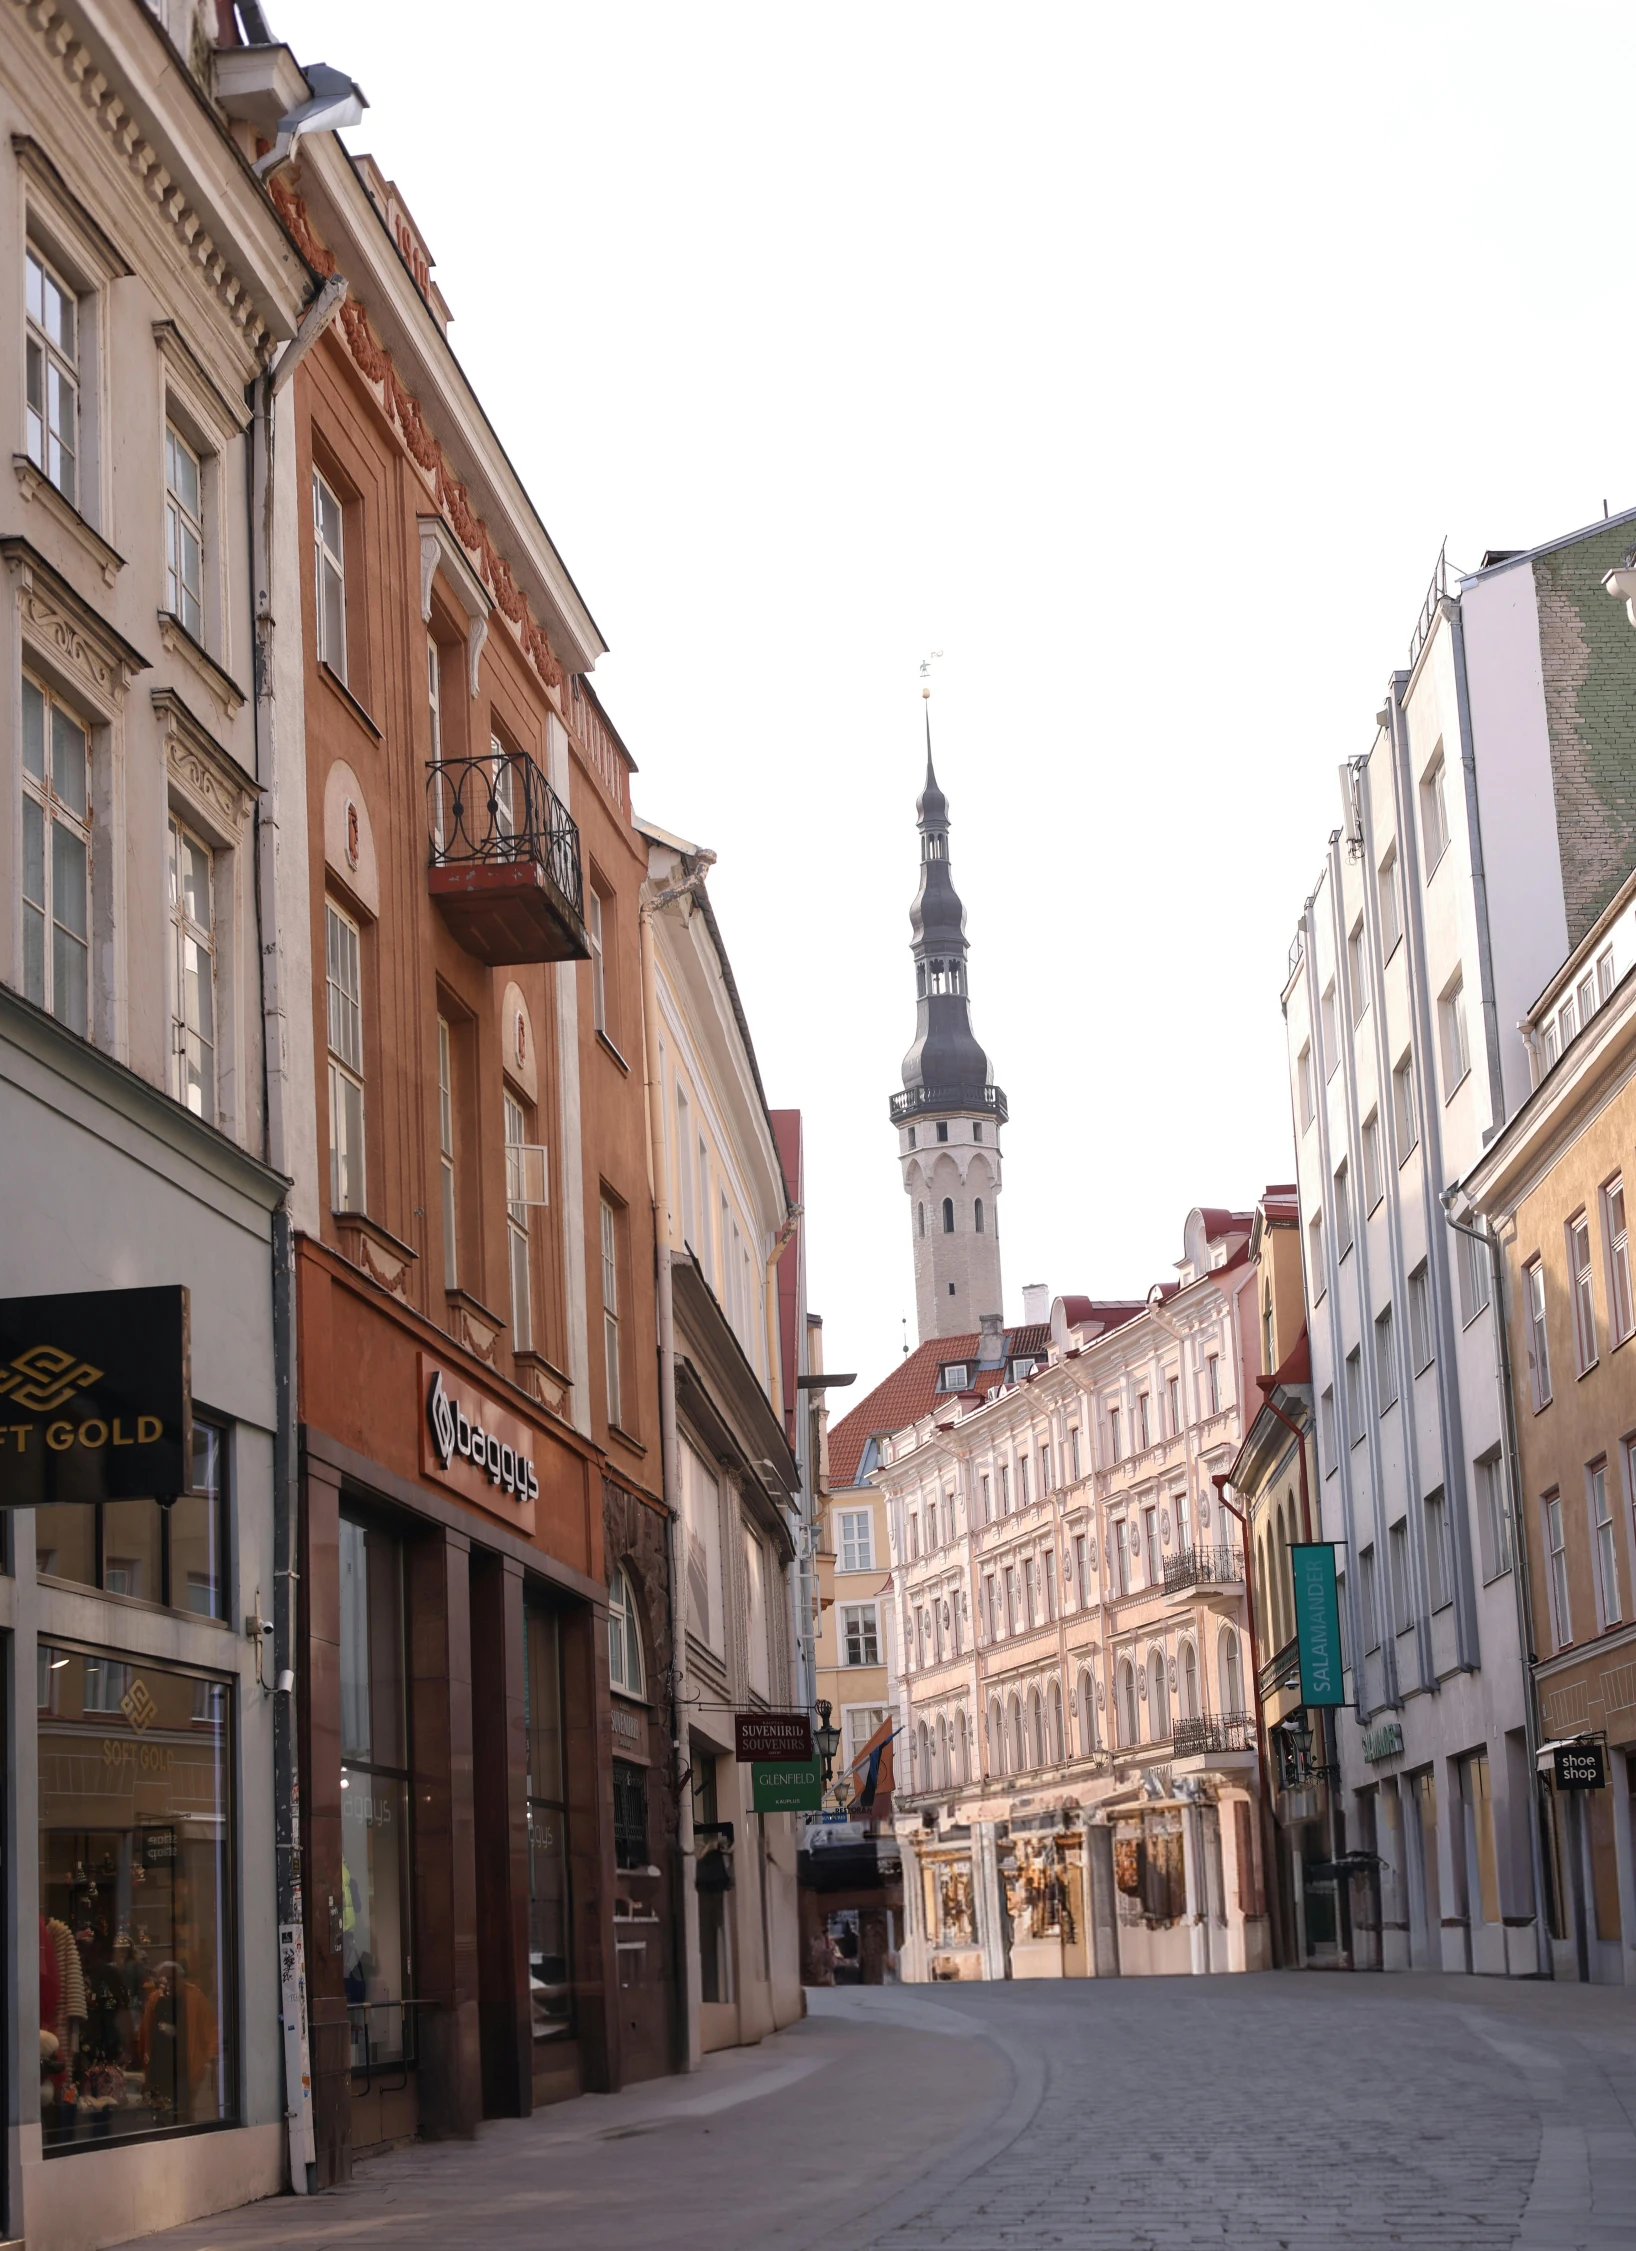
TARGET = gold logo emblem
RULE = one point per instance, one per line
(138, 1706)
(44, 1377)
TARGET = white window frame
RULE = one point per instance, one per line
(627, 1674)
(1330, 1023)
(184, 525)
(1616, 1251)
(1556, 1570)
(58, 817)
(434, 711)
(856, 1540)
(1343, 1208)
(193, 1037)
(54, 360)
(1405, 1106)
(1604, 1530)
(1303, 1074)
(1357, 966)
(1389, 899)
(330, 559)
(610, 1308)
(1421, 1350)
(1581, 1288)
(1451, 1012)
(344, 1018)
(1434, 812)
(1539, 1339)
(599, 975)
(445, 1151)
(859, 1628)
(1385, 1359)
(1374, 1180)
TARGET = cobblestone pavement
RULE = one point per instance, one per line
(1275, 2113)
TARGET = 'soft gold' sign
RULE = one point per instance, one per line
(95, 1397)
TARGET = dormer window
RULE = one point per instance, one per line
(1020, 1369)
(955, 1375)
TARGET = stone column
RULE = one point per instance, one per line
(437, 1568)
(500, 1798)
(319, 1641)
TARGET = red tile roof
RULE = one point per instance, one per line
(910, 1391)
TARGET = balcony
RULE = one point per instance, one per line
(1215, 1733)
(505, 865)
(926, 1101)
(1202, 1567)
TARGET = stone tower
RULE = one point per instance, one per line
(949, 1113)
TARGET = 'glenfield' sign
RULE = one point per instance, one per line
(95, 1397)
(476, 1448)
(771, 1735)
(1579, 1766)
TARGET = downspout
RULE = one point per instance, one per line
(275, 1059)
(1220, 1480)
(686, 2042)
(1519, 1573)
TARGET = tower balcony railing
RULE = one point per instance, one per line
(924, 1101)
(505, 860)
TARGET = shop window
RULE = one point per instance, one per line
(712, 1881)
(168, 1555)
(136, 1938)
(375, 1846)
(550, 1970)
(630, 1810)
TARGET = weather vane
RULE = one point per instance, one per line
(926, 664)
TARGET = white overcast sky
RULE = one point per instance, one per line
(1139, 359)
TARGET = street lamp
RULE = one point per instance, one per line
(1297, 1730)
(828, 1738)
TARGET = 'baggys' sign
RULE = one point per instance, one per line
(476, 1448)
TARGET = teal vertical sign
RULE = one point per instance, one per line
(1317, 1623)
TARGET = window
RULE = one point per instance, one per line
(1230, 1672)
(184, 534)
(948, 1215)
(977, 1216)
(624, 1636)
(1371, 1598)
(1343, 1210)
(550, 1959)
(1129, 1733)
(1151, 1560)
(1022, 1481)
(1357, 967)
(1144, 1420)
(1604, 975)
(1113, 1430)
(861, 1722)
(1212, 1383)
(1329, 1020)
(1420, 1323)
(1158, 1697)
(1173, 1393)
(1030, 1604)
(1317, 1283)
(56, 859)
(1605, 1539)
(171, 1556)
(701, 1510)
(1121, 1550)
(610, 1306)
(630, 1823)
(942, 1129)
(519, 1232)
(1075, 1471)
(1539, 1349)
(51, 351)
(985, 1503)
(193, 974)
(329, 576)
(1579, 1283)
(857, 1539)
(977, 1132)
(1385, 1360)
(1354, 1393)
(1476, 1277)
(955, 1374)
(921, 1210)
(1082, 1571)
(1434, 812)
(1556, 1563)
(375, 1843)
(1303, 1076)
(599, 972)
(1386, 894)
(1005, 1488)
(434, 707)
(1439, 1556)
(1493, 1517)
(1328, 1451)
(759, 1647)
(1374, 1186)
(1404, 1108)
(136, 1891)
(1045, 1471)
(343, 984)
(860, 1634)
(1616, 1241)
(1451, 1010)
(702, 1244)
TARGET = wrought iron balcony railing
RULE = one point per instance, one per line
(1216, 1731)
(1202, 1567)
(919, 1101)
(505, 859)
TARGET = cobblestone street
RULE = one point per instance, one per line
(1277, 2113)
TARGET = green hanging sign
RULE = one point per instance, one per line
(1317, 1623)
(786, 1785)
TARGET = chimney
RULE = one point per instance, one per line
(1036, 1301)
(991, 1341)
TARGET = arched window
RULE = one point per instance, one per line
(1189, 1668)
(1036, 1729)
(948, 1215)
(1158, 1697)
(624, 1636)
(962, 1748)
(923, 1757)
(1016, 1749)
(1058, 1751)
(1231, 1673)
(1269, 1622)
(977, 1215)
(1128, 1731)
(1087, 1714)
(1283, 1593)
(922, 1210)
(943, 1771)
(996, 1738)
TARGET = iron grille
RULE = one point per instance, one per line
(1216, 1731)
(501, 809)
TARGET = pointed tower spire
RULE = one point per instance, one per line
(949, 1112)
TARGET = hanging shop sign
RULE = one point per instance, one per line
(477, 1449)
(1580, 1766)
(96, 1399)
(771, 1735)
(786, 1785)
(1317, 1623)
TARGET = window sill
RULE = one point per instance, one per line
(608, 1048)
(124, 1601)
(338, 687)
(37, 485)
(177, 641)
(1588, 1370)
(1408, 1153)
(626, 1438)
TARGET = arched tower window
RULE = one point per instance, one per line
(977, 1215)
(1158, 1697)
(948, 1215)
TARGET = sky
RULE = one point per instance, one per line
(1138, 360)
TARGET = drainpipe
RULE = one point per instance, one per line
(275, 1096)
(686, 2046)
(1519, 1565)
(1269, 1827)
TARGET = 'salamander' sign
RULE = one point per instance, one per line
(95, 1397)
(771, 1735)
(476, 1448)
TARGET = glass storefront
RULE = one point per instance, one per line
(375, 1849)
(550, 1972)
(170, 1555)
(136, 1916)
